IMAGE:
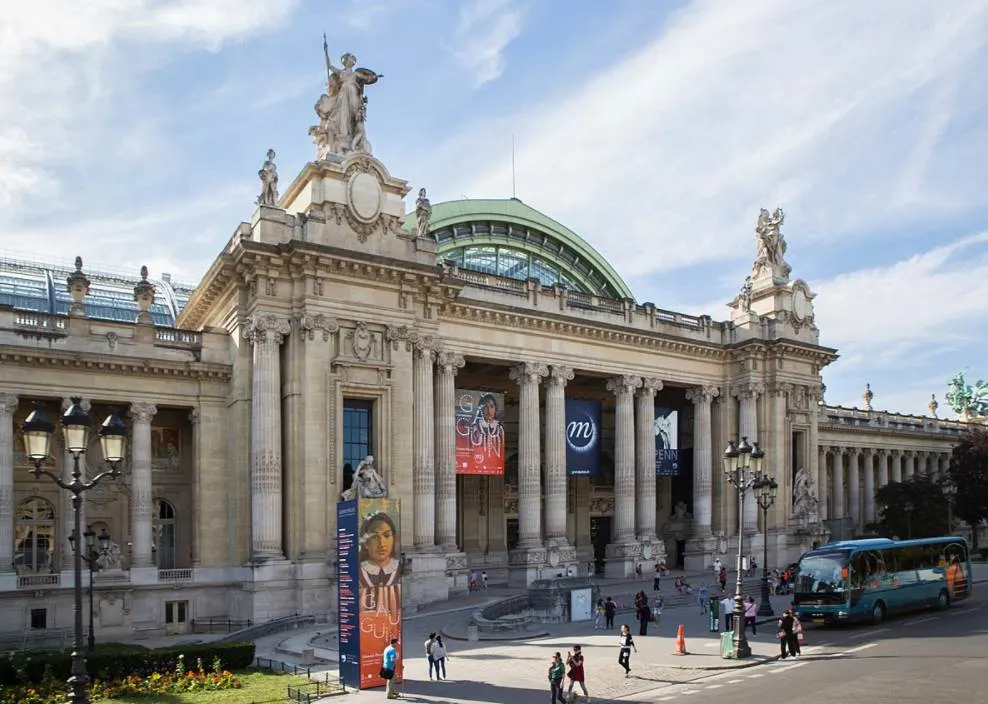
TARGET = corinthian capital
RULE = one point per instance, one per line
(266, 328)
(450, 362)
(747, 390)
(702, 394)
(528, 373)
(426, 347)
(559, 375)
(650, 386)
(8, 404)
(142, 412)
(624, 384)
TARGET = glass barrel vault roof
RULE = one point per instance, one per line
(507, 237)
(40, 288)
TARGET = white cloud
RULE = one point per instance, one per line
(485, 30)
(835, 110)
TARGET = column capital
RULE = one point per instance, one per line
(8, 404)
(702, 394)
(307, 325)
(780, 388)
(426, 347)
(194, 416)
(835, 450)
(559, 375)
(748, 390)
(142, 412)
(528, 373)
(880, 451)
(266, 327)
(852, 451)
(449, 363)
(650, 386)
(624, 384)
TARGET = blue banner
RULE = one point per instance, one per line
(666, 441)
(347, 548)
(583, 437)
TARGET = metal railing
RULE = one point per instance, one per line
(218, 625)
(33, 581)
(313, 691)
(182, 574)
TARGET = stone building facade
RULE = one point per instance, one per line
(333, 326)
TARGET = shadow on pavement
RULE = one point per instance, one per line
(470, 690)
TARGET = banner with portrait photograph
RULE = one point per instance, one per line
(666, 441)
(582, 437)
(369, 587)
(479, 432)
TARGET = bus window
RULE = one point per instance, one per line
(822, 574)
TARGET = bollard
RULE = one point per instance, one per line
(473, 633)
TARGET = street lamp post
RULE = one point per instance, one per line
(91, 558)
(37, 430)
(950, 493)
(767, 490)
(907, 507)
(742, 469)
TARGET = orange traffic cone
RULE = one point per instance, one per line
(680, 641)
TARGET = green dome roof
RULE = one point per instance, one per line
(506, 237)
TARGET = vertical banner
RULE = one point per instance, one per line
(479, 432)
(369, 547)
(582, 437)
(666, 441)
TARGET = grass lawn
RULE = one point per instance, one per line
(259, 687)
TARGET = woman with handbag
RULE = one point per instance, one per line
(557, 670)
(787, 635)
(389, 663)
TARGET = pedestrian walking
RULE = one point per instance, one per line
(657, 608)
(574, 661)
(610, 608)
(430, 645)
(751, 615)
(788, 642)
(557, 670)
(627, 644)
(656, 577)
(439, 656)
(483, 580)
(598, 619)
(727, 611)
(389, 666)
(722, 578)
(703, 598)
(797, 629)
(644, 615)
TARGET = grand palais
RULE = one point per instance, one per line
(344, 321)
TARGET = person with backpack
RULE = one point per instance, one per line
(610, 609)
(430, 644)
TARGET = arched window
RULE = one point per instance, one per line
(164, 535)
(34, 536)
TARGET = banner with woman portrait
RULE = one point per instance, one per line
(479, 432)
(369, 587)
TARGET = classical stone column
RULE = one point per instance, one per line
(529, 375)
(822, 488)
(266, 333)
(423, 441)
(869, 486)
(645, 460)
(623, 388)
(448, 363)
(837, 477)
(555, 455)
(883, 468)
(140, 484)
(703, 458)
(854, 486)
(747, 394)
(8, 404)
(65, 518)
(945, 464)
(896, 465)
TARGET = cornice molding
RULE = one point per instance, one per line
(117, 365)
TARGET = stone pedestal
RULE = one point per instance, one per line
(271, 590)
(457, 573)
(620, 560)
(701, 552)
(424, 580)
(525, 565)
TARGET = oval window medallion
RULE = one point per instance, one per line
(364, 194)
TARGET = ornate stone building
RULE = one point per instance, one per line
(334, 326)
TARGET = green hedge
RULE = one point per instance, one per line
(118, 660)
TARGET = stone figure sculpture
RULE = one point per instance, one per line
(804, 501)
(933, 405)
(867, 397)
(770, 255)
(112, 559)
(367, 483)
(966, 400)
(744, 297)
(342, 109)
(269, 181)
(423, 213)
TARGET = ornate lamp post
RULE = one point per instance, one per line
(76, 422)
(950, 493)
(91, 558)
(767, 489)
(742, 469)
(908, 508)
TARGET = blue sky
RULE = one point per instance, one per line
(132, 132)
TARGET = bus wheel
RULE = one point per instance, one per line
(878, 612)
(943, 600)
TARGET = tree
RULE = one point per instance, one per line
(928, 517)
(969, 473)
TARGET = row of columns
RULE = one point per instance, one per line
(852, 488)
(141, 516)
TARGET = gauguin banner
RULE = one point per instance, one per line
(666, 441)
(369, 587)
(479, 432)
(582, 437)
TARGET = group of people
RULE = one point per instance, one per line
(477, 581)
(572, 667)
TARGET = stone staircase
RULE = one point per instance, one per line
(671, 598)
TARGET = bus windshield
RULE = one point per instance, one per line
(824, 573)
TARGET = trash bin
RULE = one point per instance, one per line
(727, 645)
(473, 633)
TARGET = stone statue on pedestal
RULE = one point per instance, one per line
(867, 397)
(770, 256)
(342, 109)
(269, 181)
(804, 501)
(933, 405)
(744, 297)
(112, 559)
(367, 483)
(423, 213)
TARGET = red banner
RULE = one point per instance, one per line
(479, 432)
(380, 586)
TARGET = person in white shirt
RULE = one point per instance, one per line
(727, 612)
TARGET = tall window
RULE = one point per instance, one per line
(34, 536)
(164, 535)
(358, 435)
